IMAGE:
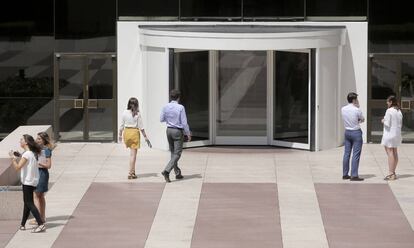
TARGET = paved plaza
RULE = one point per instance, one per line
(230, 197)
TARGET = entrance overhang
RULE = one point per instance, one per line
(241, 37)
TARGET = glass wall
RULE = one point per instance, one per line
(336, 8)
(26, 64)
(391, 26)
(391, 75)
(153, 8)
(273, 8)
(211, 8)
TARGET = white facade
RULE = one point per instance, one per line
(341, 66)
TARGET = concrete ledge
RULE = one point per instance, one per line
(8, 175)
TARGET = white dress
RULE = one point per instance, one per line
(391, 136)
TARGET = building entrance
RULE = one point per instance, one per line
(246, 97)
(85, 97)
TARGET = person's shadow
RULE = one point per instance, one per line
(405, 176)
(51, 220)
(189, 177)
(146, 175)
(367, 176)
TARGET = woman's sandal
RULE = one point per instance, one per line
(39, 228)
(22, 228)
(132, 176)
(391, 177)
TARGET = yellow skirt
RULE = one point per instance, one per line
(132, 138)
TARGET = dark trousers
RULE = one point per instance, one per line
(353, 142)
(29, 205)
(175, 141)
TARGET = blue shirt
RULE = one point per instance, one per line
(174, 115)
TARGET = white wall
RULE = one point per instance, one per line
(151, 86)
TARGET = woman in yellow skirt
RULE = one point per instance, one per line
(130, 128)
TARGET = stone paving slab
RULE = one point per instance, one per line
(363, 216)
(238, 215)
(112, 215)
(7, 230)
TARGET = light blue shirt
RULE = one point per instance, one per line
(174, 115)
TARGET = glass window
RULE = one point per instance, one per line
(25, 18)
(78, 19)
(391, 26)
(336, 7)
(148, 8)
(211, 8)
(383, 78)
(273, 8)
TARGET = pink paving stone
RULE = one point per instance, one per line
(7, 230)
(238, 215)
(363, 216)
(113, 215)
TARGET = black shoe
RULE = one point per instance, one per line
(346, 177)
(166, 176)
(179, 176)
(356, 179)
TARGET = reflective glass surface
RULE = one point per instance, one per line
(291, 97)
(384, 73)
(101, 123)
(192, 79)
(273, 8)
(85, 26)
(211, 8)
(391, 26)
(148, 8)
(407, 99)
(336, 7)
(71, 77)
(242, 93)
(26, 64)
(101, 78)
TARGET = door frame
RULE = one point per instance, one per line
(71, 103)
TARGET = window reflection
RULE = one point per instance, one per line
(383, 78)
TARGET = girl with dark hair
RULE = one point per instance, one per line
(29, 175)
(44, 164)
(130, 128)
(391, 137)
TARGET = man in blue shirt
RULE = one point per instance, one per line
(174, 115)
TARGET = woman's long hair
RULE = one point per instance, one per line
(46, 140)
(394, 102)
(33, 146)
(133, 105)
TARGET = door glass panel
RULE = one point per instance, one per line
(192, 79)
(407, 97)
(71, 78)
(291, 101)
(242, 93)
(101, 122)
(71, 84)
(100, 103)
(71, 123)
(100, 78)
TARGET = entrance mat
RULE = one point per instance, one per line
(113, 215)
(238, 215)
(363, 216)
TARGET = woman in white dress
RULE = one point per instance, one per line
(391, 137)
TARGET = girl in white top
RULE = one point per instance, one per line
(391, 137)
(130, 128)
(29, 174)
